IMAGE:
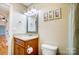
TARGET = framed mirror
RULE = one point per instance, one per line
(32, 24)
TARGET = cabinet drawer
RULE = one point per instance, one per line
(32, 42)
(19, 42)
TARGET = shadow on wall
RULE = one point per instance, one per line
(76, 41)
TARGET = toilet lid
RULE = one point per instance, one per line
(49, 46)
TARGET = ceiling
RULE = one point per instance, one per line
(27, 4)
(4, 6)
(4, 9)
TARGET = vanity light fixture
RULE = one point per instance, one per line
(31, 12)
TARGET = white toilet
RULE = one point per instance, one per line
(48, 49)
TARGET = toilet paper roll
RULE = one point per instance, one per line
(29, 50)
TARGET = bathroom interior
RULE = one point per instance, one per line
(36, 29)
(4, 14)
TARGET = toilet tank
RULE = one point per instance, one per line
(49, 49)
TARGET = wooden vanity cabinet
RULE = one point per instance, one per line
(20, 46)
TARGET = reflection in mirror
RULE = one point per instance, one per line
(32, 23)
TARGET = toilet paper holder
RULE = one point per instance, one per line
(29, 49)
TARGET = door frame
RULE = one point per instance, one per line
(9, 35)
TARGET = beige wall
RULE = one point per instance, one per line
(53, 32)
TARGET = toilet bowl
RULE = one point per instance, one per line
(48, 49)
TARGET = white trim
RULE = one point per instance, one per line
(10, 30)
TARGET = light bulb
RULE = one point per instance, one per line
(29, 12)
(33, 10)
(26, 13)
(3, 20)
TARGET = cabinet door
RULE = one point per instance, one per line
(18, 50)
(34, 44)
(21, 50)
